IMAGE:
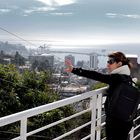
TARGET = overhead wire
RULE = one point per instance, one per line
(13, 34)
(3, 29)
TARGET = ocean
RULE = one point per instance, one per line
(102, 50)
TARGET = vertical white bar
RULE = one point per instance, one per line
(132, 134)
(99, 114)
(23, 129)
(93, 116)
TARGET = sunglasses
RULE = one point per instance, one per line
(111, 61)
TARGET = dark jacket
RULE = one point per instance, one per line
(111, 79)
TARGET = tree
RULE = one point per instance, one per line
(18, 60)
(41, 66)
(98, 85)
(35, 65)
(19, 92)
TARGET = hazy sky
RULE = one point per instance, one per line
(71, 21)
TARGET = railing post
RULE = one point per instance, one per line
(23, 129)
(131, 134)
(99, 115)
(93, 115)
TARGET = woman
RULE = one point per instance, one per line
(118, 65)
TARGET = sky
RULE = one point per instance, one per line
(70, 22)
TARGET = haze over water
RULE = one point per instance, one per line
(133, 49)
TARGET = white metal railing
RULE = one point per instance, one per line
(96, 104)
(134, 136)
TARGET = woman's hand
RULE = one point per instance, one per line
(69, 65)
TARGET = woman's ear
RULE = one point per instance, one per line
(119, 64)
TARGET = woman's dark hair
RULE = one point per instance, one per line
(120, 57)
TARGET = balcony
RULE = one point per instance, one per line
(96, 104)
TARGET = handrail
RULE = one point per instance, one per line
(44, 108)
(96, 104)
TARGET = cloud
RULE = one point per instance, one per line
(50, 5)
(115, 15)
(61, 14)
(132, 16)
(5, 10)
(57, 2)
(111, 15)
(39, 9)
(25, 8)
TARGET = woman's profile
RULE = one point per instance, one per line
(118, 65)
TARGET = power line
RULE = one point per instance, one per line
(36, 40)
(17, 36)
